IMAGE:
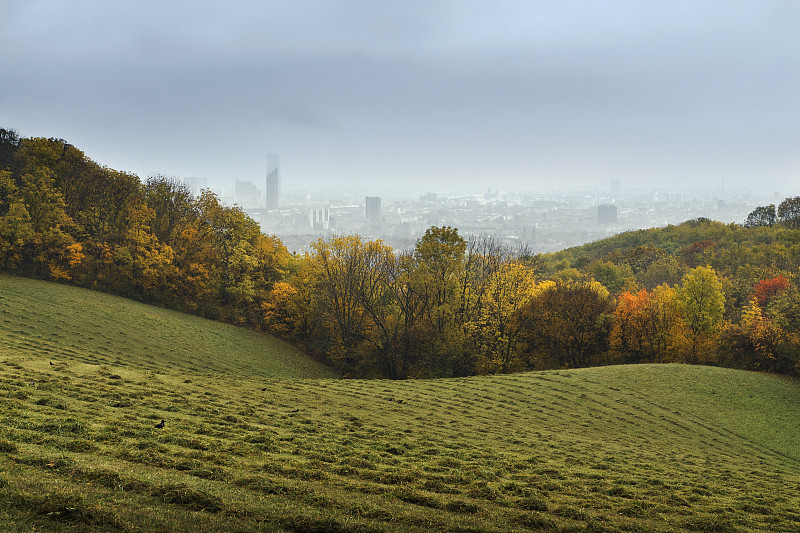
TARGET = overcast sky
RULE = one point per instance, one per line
(422, 94)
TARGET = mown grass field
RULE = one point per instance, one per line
(628, 448)
(39, 318)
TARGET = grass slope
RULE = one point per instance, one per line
(628, 448)
(646, 448)
(70, 323)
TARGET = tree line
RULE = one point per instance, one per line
(700, 292)
(65, 218)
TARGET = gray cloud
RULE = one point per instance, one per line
(509, 93)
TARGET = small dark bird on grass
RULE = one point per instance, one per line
(160, 425)
(262, 390)
(51, 363)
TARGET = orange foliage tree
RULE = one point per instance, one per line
(766, 290)
(647, 326)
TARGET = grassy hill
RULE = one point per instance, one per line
(627, 448)
(39, 318)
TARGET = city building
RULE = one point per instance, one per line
(320, 218)
(373, 208)
(246, 193)
(273, 181)
(606, 214)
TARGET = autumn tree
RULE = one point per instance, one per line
(496, 332)
(43, 200)
(377, 292)
(631, 332)
(440, 266)
(698, 252)
(666, 270)
(439, 259)
(754, 343)
(16, 228)
(641, 257)
(293, 309)
(647, 326)
(9, 144)
(568, 320)
(702, 304)
(766, 290)
(113, 192)
(171, 202)
(35, 230)
(338, 269)
(233, 236)
(483, 256)
(146, 262)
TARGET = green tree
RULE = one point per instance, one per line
(9, 144)
(789, 212)
(613, 277)
(664, 270)
(761, 216)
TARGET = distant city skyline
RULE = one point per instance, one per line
(438, 95)
(542, 221)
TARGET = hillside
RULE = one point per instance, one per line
(64, 323)
(449, 307)
(624, 448)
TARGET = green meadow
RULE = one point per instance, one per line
(40, 318)
(258, 437)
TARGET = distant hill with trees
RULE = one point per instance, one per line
(699, 292)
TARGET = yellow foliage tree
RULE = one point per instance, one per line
(702, 304)
(496, 333)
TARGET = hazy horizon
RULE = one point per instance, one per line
(415, 95)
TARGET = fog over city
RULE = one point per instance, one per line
(415, 96)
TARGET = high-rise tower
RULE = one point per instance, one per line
(373, 208)
(273, 181)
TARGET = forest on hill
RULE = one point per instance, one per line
(700, 292)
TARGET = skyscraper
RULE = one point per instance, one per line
(273, 181)
(373, 208)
